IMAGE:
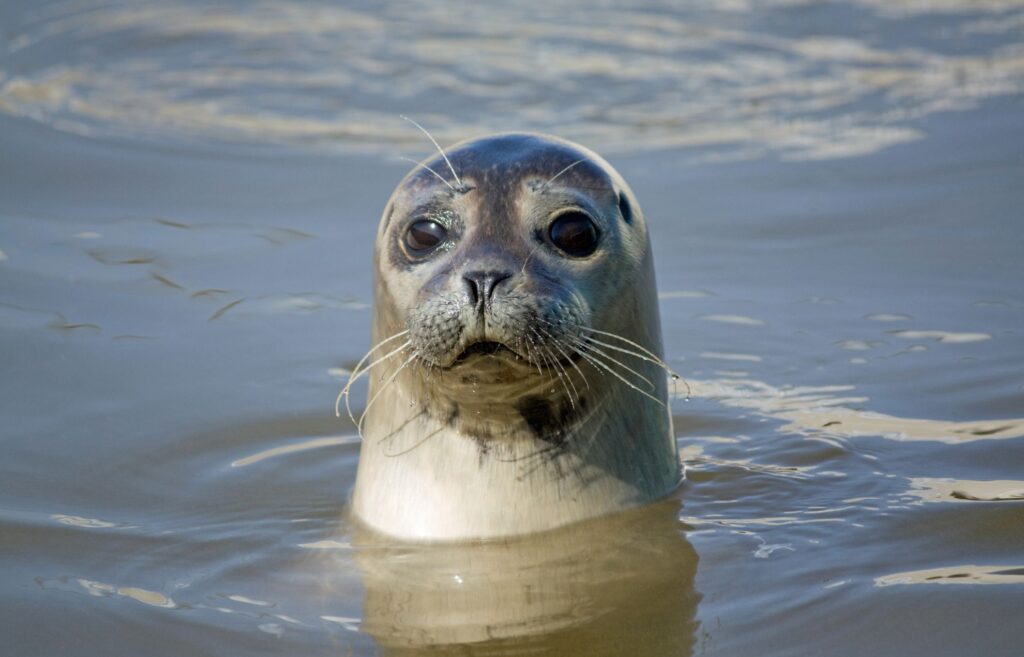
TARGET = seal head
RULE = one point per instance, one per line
(523, 390)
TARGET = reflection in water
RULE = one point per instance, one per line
(943, 336)
(312, 443)
(820, 412)
(957, 575)
(78, 521)
(617, 586)
(962, 490)
(104, 590)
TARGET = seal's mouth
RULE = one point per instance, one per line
(501, 351)
(485, 348)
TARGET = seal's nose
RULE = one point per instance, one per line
(480, 285)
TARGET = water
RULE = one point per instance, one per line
(188, 198)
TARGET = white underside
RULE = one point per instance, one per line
(421, 480)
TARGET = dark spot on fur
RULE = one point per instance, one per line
(548, 422)
(538, 414)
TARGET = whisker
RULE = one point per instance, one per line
(417, 444)
(583, 449)
(554, 177)
(689, 392)
(424, 166)
(355, 373)
(594, 351)
(629, 352)
(675, 377)
(589, 344)
(529, 344)
(535, 340)
(557, 344)
(347, 390)
(568, 377)
(376, 347)
(376, 396)
(529, 255)
(551, 367)
(653, 357)
(439, 150)
(598, 364)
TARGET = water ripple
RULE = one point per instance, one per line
(622, 79)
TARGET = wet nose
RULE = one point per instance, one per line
(480, 285)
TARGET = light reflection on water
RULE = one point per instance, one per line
(188, 194)
(630, 78)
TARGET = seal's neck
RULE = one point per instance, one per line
(426, 474)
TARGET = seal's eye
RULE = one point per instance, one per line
(574, 233)
(424, 236)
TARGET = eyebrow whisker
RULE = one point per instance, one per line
(552, 178)
(439, 149)
(424, 166)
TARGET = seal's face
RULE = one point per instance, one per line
(500, 270)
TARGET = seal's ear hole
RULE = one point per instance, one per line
(625, 209)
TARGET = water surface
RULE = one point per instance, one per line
(188, 198)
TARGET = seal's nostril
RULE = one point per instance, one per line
(471, 290)
(480, 285)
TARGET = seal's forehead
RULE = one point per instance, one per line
(517, 155)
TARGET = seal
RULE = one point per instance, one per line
(516, 382)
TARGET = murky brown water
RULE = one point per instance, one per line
(188, 198)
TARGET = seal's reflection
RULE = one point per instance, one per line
(613, 586)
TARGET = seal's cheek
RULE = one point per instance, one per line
(410, 285)
(602, 284)
(402, 290)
